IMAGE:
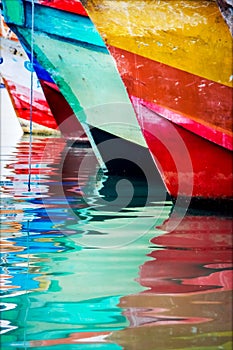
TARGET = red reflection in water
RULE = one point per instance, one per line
(188, 300)
(196, 256)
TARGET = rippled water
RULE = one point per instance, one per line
(78, 271)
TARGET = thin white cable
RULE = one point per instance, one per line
(31, 98)
(29, 167)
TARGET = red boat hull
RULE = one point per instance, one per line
(187, 123)
(66, 120)
(43, 120)
(210, 169)
(193, 102)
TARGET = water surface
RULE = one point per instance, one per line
(82, 269)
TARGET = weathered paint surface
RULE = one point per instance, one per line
(14, 11)
(198, 104)
(63, 24)
(91, 84)
(171, 60)
(65, 118)
(5, 31)
(189, 35)
(211, 164)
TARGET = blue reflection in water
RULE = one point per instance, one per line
(55, 290)
(79, 273)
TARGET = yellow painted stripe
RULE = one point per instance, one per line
(188, 35)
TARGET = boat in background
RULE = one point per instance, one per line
(59, 115)
(184, 107)
(8, 117)
(15, 72)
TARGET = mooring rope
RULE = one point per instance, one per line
(31, 99)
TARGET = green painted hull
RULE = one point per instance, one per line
(72, 51)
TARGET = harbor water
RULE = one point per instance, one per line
(81, 268)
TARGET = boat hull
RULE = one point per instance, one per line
(183, 107)
(15, 71)
(43, 120)
(174, 92)
(67, 122)
(186, 158)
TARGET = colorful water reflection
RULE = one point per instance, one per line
(74, 277)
